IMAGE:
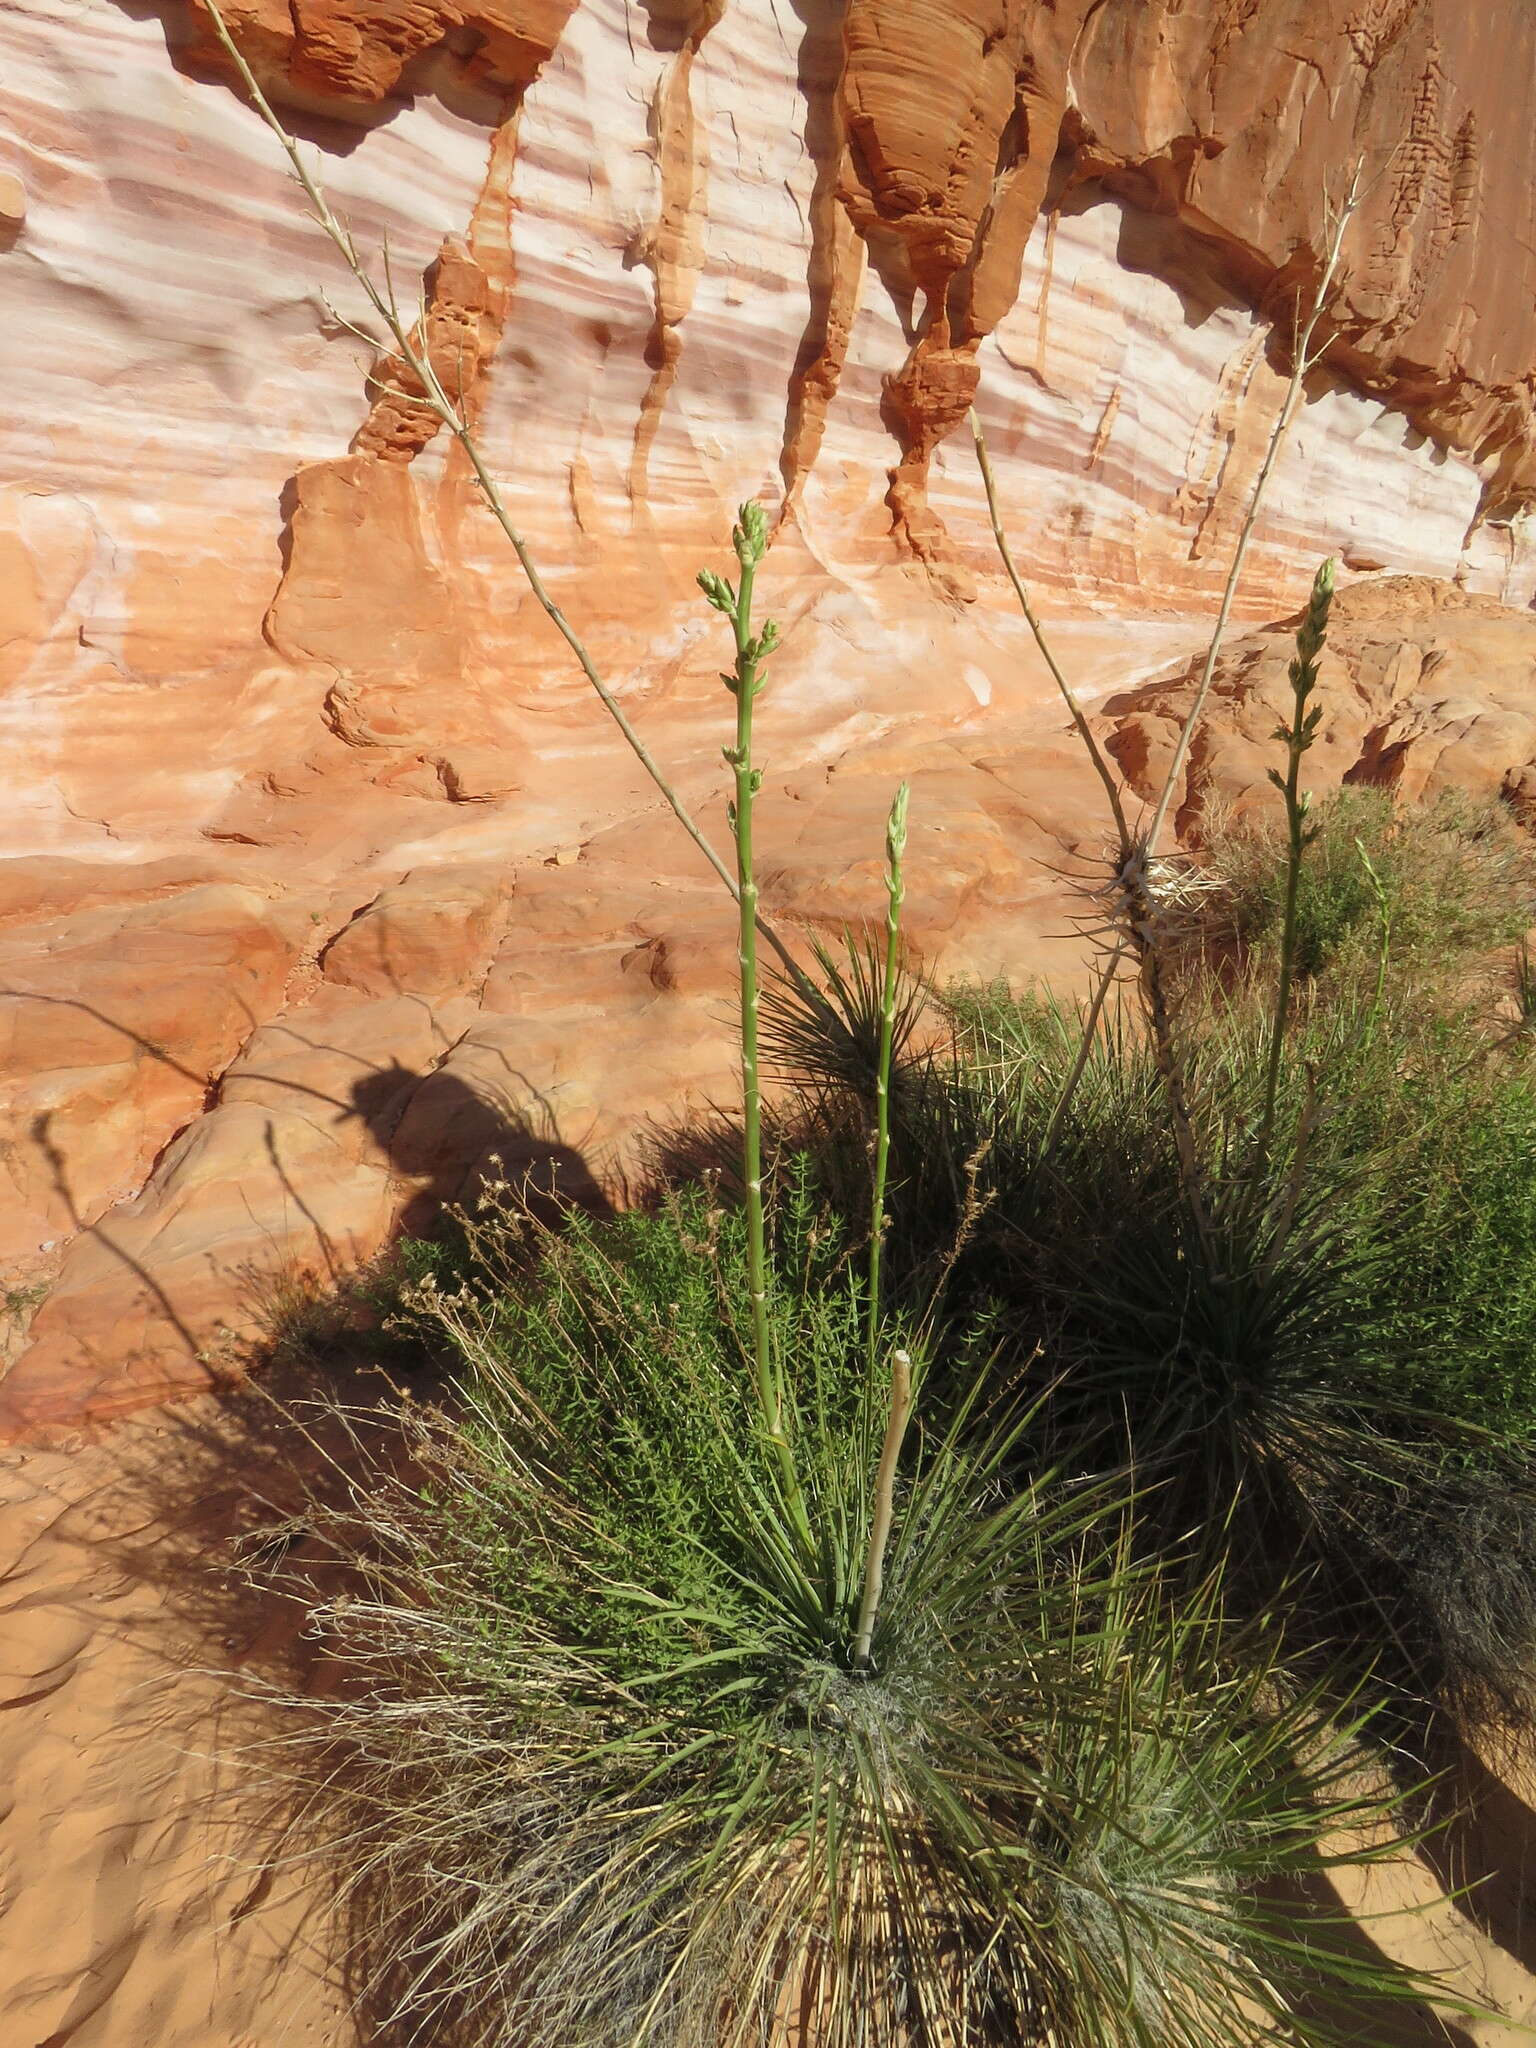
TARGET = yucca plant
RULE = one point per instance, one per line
(616, 1775)
(1317, 1388)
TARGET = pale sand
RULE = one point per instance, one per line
(138, 1908)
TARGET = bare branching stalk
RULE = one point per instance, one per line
(1084, 1047)
(884, 1505)
(1085, 733)
(452, 414)
(1138, 913)
(1135, 908)
(1304, 359)
(896, 889)
(1297, 738)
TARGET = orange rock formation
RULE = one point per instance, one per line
(320, 875)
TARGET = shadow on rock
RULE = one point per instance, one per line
(447, 1138)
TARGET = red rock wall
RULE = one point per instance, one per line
(313, 843)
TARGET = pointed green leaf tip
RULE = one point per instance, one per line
(896, 826)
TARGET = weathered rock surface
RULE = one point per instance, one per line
(320, 875)
(1422, 687)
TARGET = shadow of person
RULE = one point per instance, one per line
(446, 1137)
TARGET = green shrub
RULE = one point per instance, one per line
(631, 1752)
(1457, 1308)
(1330, 1370)
(1455, 879)
(612, 1777)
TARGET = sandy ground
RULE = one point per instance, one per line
(144, 1901)
(138, 1908)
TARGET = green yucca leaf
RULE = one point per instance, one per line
(641, 1796)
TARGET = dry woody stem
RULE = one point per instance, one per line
(884, 1507)
(433, 395)
(1304, 359)
(1138, 913)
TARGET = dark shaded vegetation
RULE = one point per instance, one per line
(1257, 1492)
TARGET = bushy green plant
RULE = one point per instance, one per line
(1456, 1305)
(1333, 1368)
(1457, 878)
(612, 1775)
(676, 1714)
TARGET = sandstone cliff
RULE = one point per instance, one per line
(321, 873)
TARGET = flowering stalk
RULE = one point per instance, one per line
(1297, 737)
(896, 890)
(884, 1506)
(750, 539)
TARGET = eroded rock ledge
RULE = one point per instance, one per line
(319, 873)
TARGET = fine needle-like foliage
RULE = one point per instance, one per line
(617, 1769)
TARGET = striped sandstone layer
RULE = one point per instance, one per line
(319, 872)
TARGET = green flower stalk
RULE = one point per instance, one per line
(750, 539)
(900, 1412)
(1297, 737)
(896, 890)
(1384, 920)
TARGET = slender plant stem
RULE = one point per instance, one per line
(1096, 754)
(1104, 771)
(769, 1391)
(884, 1505)
(1136, 909)
(1303, 361)
(1384, 948)
(1298, 737)
(452, 415)
(750, 539)
(1084, 1048)
(895, 886)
